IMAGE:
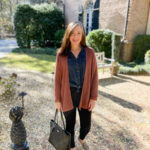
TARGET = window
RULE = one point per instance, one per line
(91, 16)
(88, 13)
(80, 10)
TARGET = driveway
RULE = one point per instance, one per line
(6, 46)
(120, 120)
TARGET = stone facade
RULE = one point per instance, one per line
(113, 16)
(71, 9)
(148, 25)
(137, 24)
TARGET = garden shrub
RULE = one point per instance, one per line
(134, 68)
(36, 25)
(100, 41)
(116, 44)
(147, 57)
(58, 37)
(104, 40)
(140, 46)
(23, 25)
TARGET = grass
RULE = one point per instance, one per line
(48, 51)
(37, 62)
(43, 60)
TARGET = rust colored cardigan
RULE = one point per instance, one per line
(90, 84)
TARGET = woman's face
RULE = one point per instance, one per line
(76, 36)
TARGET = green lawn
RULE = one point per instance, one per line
(34, 59)
(37, 62)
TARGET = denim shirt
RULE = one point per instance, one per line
(76, 67)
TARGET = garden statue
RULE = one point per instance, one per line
(18, 131)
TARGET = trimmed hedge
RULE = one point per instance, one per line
(147, 57)
(22, 21)
(36, 25)
(140, 47)
(105, 40)
(58, 37)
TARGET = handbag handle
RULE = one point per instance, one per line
(62, 118)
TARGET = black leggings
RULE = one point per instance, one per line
(85, 120)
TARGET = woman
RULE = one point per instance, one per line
(76, 81)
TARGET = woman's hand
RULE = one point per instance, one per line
(58, 106)
(91, 104)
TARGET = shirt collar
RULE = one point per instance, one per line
(81, 52)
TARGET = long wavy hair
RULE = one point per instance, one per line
(66, 44)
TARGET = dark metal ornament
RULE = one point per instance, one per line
(18, 132)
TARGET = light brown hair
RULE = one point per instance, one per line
(66, 44)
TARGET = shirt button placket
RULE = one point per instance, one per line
(78, 72)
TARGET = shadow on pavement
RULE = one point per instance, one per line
(110, 81)
(121, 101)
(128, 78)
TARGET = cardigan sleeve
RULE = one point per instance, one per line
(58, 77)
(94, 79)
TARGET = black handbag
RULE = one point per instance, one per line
(59, 137)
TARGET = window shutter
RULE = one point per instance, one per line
(80, 13)
(95, 17)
